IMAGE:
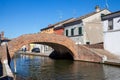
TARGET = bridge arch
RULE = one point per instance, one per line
(61, 44)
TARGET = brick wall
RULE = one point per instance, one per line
(42, 38)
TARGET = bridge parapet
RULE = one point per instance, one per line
(3, 53)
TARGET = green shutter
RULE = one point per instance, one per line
(66, 32)
(72, 32)
(80, 30)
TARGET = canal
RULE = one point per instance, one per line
(44, 68)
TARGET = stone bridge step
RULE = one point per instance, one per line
(113, 62)
(109, 55)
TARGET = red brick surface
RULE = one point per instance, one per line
(3, 53)
(85, 54)
(58, 42)
(55, 41)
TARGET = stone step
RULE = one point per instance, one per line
(109, 55)
(113, 62)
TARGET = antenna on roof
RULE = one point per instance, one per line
(60, 14)
(60, 17)
(74, 13)
(106, 4)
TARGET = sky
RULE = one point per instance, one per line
(18, 17)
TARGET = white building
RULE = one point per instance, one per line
(86, 29)
(111, 28)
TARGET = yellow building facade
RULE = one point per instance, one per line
(49, 30)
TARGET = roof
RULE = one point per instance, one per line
(64, 21)
(57, 28)
(111, 15)
(71, 22)
(49, 26)
(52, 25)
(87, 15)
(83, 17)
(5, 40)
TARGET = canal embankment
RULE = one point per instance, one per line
(34, 54)
(113, 62)
(108, 57)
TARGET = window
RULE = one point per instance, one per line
(66, 32)
(88, 43)
(80, 30)
(110, 24)
(118, 21)
(72, 32)
(102, 15)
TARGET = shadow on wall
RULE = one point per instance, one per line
(56, 55)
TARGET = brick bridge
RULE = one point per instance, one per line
(60, 44)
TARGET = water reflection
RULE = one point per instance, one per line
(44, 68)
(111, 73)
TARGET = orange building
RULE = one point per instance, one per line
(57, 28)
(59, 31)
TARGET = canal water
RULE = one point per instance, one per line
(44, 68)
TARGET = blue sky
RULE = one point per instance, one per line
(19, 17)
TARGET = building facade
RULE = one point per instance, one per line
(49, 29)
(111, 30)
(86, 29)
(74, 30)
(59, 27)
(59, 31)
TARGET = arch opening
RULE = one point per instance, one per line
(59, 51)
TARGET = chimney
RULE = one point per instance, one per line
(97, 8)
(2, 35)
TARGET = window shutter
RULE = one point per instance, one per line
(80, 30)
(66, 32)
